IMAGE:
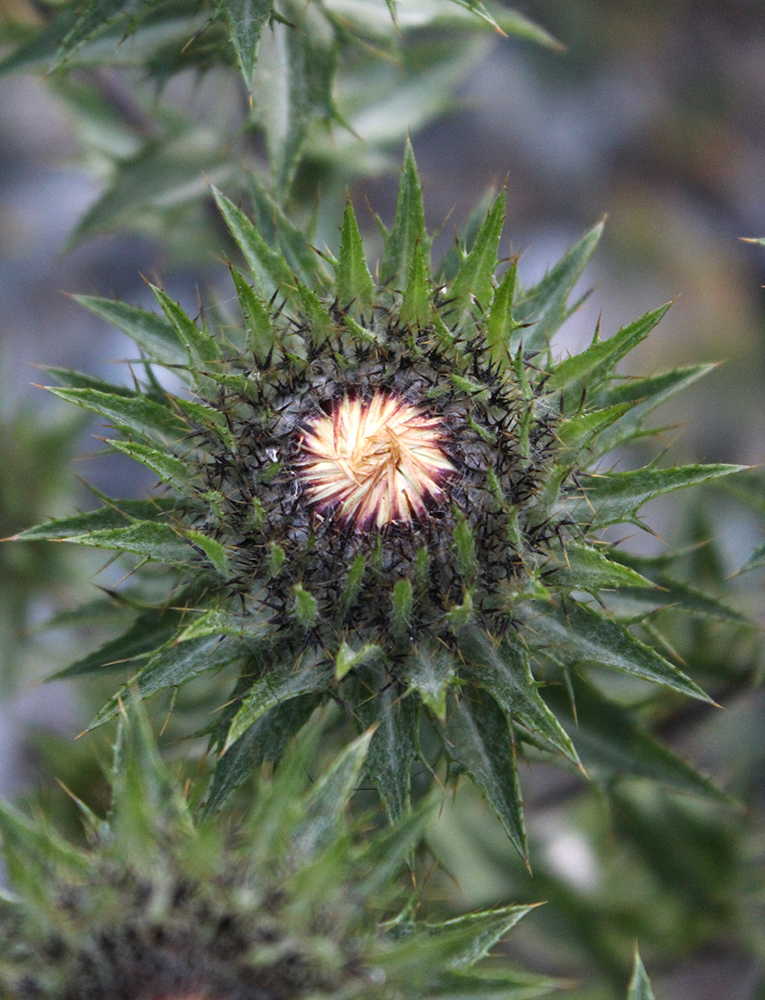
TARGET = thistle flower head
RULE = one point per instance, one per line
(374, 462)
(388, 494)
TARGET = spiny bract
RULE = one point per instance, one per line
(378, 491)
(286, 902)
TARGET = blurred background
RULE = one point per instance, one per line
(650, 114)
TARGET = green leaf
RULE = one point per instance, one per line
(217, 621)
(582, 374)
(393, 747)
(152, 333)
(473, 935)
(500, 325)
(401, 610)
(96, 15)
(268, 267)
(614, 497)
(174, 665)
(137, 414)
(589, 568)
(295, 71)
(499, 983)
(640, 987)
(151, 629)
(263, 742)
(417, 303)
(71, 379)
(280, 684)
(474, 281)
(261, 339)
(104, 518)
(245, 20)
(612, 745)
(348, 659)
(477, 738)
(182, 661)
(150, 539)
(355, 287)
(503, 670)
(326, 803)
(575, 635)
(200, 346)
(430, 673)
(408, 233)
(582, 431)
(641, 396)
(305, 607)
(282, 231)
(213, 551)
(170, 470)
(546, 304)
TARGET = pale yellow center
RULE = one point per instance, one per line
(374, 462)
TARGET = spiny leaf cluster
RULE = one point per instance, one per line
(301, 65)
(285, 901)
(457, 635)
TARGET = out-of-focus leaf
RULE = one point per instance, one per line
(640, 987)
(245, 20)
(612, 745)
(166, 172)
(92, 19)
(453, 945)
(673, 593)
(293, 85)
(478, 740)
(498, 984)
(323, 818)
(755, 561)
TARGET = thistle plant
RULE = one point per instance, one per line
(385, 491)
(288, 900)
